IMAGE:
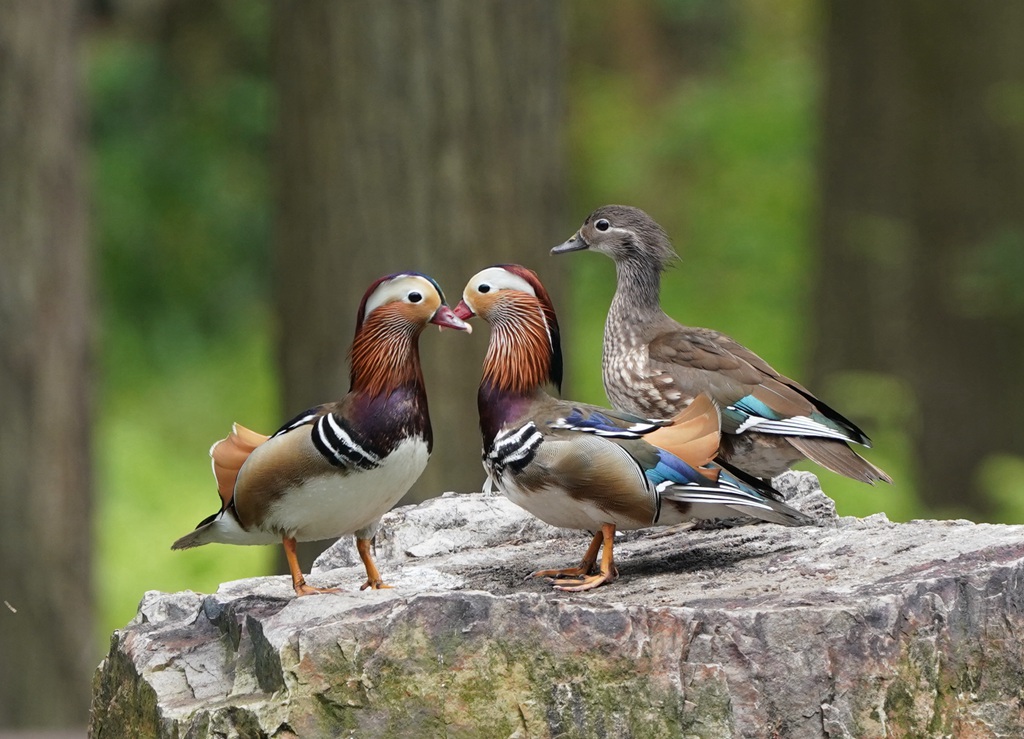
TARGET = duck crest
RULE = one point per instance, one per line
(643, 238)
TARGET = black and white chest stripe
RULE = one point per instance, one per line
(513, 449)
(335, 442)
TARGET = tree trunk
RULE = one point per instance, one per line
(922, 229)
(46, 639)
(411, 136)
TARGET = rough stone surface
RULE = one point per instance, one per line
(853, 628)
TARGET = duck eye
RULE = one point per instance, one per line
(415, 297)
(602, 224)
(484, 288)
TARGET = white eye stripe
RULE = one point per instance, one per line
(398, 289)
(498, 278)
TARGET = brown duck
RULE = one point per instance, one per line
(654, 366)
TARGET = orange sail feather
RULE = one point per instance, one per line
(229, 454)
(694, 433)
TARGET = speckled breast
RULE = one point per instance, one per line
(633, 388)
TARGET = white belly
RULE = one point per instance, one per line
(330, 506)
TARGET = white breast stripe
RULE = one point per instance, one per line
(347, 441)
(512, 447)
(334, 442)
(528, 445)
(510, 440)
(325, 445)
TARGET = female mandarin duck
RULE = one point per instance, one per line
(337, 468)
(579, 466)
(654, 366)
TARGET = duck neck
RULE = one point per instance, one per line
(499, 408)
(385, 356)
(519, 365)
(522, 352)
(637, 291)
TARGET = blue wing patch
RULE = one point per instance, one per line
(754, 407)
(672, 469)
(602, 425)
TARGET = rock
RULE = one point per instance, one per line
(854, 628)
(452, 523)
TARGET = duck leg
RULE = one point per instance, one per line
(608, 571)
(373, 579)
(583, 568)
(298, 581)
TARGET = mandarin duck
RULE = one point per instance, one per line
(337, 468)
(654, 366)
(579, 466)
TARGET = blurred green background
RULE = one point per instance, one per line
(704, 113)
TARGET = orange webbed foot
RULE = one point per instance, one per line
(298, 580)
(584, 568)
(587, 583)
(375, 585)
(579, 578)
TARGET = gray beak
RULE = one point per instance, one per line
(575, 243)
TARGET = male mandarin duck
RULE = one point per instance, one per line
(655, 366)
(582, 467)
(337, 468)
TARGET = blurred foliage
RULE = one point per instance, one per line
(180, 129)
(702, 112)
(180, 103)
(155, 482)
(721, 157)
(721, 152)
